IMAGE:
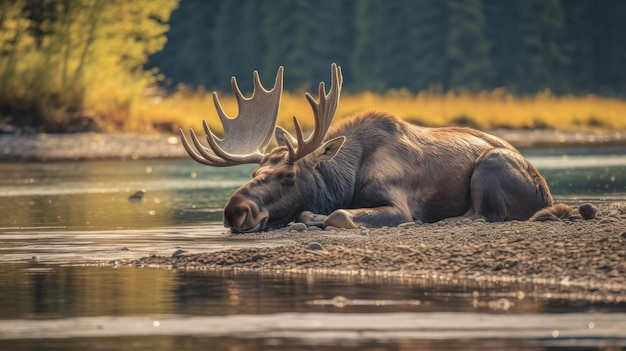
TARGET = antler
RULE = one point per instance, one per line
(245, 136)
(324, 112)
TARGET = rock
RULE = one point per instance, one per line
(418, 222)
(179, 253)
(257, 257)
(466, 221)
(330, 227)
(340, 301)
(588, 211)
(406, 225)
(399, 259)
(7, 129)
(138, 196)
(313, 228)
(315, 246)
(298, 227)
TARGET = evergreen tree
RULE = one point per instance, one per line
(502, 33)
(189, 54)
(542, 61)
(238, 44)
(427, 33)
(467, 48)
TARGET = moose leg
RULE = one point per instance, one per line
(505, 186)
(312, 219)
(367, 217)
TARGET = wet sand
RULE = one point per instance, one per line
(586, 259)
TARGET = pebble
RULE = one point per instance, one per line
(514, 251)
(138, 196)
(298, 227)
(315, 246)
(406, 225)
(179, 252)
(257, 257)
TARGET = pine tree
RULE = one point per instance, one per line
(467, 46)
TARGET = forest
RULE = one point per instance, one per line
(525, 46)
(135, 65)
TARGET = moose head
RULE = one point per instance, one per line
(286, 177)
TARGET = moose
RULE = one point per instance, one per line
(371, 170)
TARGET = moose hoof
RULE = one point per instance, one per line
(340, 219)
(312, 219)
(588, 211)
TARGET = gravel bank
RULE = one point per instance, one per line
(582, 257)
(89, 146)
(99, 146)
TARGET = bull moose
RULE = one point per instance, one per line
(372, 170)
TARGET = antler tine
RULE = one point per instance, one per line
(205, 158)
(323, 112)
(246, 136)
(254, 157)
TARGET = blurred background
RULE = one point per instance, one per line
(116, 65)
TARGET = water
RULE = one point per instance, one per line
(51, 307)
(57, 213)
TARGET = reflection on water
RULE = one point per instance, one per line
(95, 195)
(133, 302)
(582, 173)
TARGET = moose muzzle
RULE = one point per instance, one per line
(243, 215)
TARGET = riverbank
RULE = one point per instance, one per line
(584, 259)
(103, 146)
(576, 259)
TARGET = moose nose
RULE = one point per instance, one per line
(244, 215)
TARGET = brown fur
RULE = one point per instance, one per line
(389, 172)
(560, 212)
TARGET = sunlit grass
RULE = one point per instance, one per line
(485, 110)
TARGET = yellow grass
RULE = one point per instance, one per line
(483, 110)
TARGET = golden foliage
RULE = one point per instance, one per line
(495, 109)
(64, 58)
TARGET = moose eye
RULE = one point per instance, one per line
(288, 178)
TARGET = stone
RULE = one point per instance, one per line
(315, 246)
(179, 253)
(298, 227)
(588, 211)
(138, 196)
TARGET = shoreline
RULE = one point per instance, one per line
(124, 146)
(583, 258)
(574, 259)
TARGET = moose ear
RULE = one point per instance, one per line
(280, 134)
(326, 152)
